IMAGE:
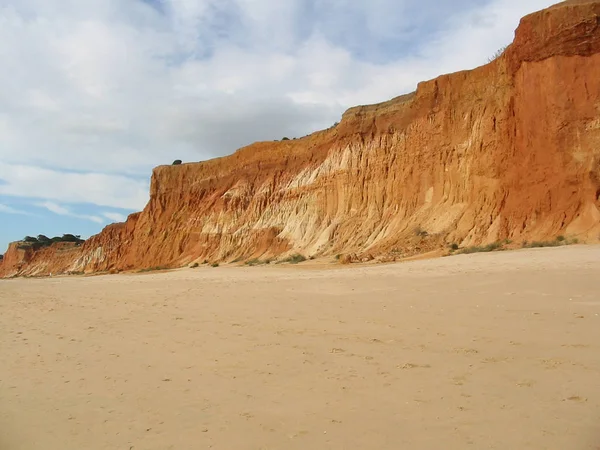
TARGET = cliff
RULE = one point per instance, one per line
(510, 150)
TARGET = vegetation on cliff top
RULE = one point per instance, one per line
(497, 54)
(44, 241)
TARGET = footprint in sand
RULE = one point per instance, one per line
(575, 398)
(413, 366)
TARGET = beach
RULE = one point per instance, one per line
(485, 351)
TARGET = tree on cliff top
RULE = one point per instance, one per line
(71, 238)
(45, 241)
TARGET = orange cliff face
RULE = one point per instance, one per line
(24, 259)
(510, 150)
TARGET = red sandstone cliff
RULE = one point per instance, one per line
(508, 150)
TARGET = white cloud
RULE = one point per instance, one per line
(62, 211)
(115, 217)
(55, 208)
(111, 88)
(100, 189)
(10, 210)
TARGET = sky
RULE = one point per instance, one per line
(95, 93)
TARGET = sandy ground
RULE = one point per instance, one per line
(486, 351)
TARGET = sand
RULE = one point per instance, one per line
(485, 351)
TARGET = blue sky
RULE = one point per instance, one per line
(97, 92)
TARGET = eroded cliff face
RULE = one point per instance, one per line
(24, 259)
(510, 150)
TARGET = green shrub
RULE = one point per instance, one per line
(215, 264)
(560, 240)
(153, 269)
(254, 262)
(177, 162)
(193, 266)
(257, 262)
(482, 249)
(540, 244)
(295, 259)
(454, 247)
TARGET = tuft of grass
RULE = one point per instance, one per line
(544, 244)
(257, 262)
(541, 244)
(420, 232)
(295, 259)
(214, 264)
(497, 54)
(153, 269)
(559, 241)
(254, 262)
(193, 266)
(482, 249)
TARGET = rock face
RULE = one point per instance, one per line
(510, 150)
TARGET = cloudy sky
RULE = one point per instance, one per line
(97, 92)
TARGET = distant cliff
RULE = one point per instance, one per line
(510, 150)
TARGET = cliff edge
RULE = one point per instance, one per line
(510, 150)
